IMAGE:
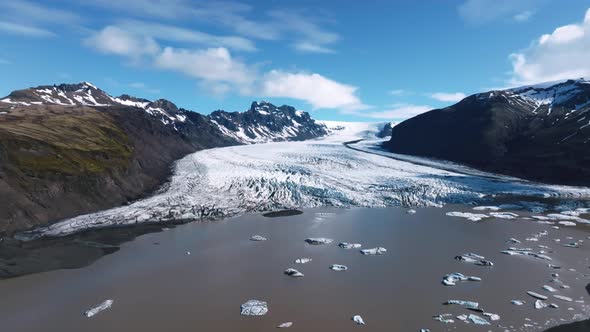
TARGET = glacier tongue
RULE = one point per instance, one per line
(228, 181)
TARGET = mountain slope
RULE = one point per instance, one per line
(72, 149)
(535, 132)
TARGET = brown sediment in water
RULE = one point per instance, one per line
(283, 213)
(160, 287)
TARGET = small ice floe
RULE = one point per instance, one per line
(444, 318)
(549, 288)
(257, 238)
(540, 304)
(411, 211)
(504, 215)
(572, 245)
(474, 259)
(478, 320)
(554, 306)
(188, 253)
(424, 330)
(358, 319)
(293, 273)
(555, 227)
(532, 239)
(563, 298)
(453, 278)
(285, 325)
(463, 318)
(467, 215)
(513, 240)
(484, 208)
(518, 302)
(374, 251)
(567, 223)
(318, 240)
(537, 295)
(346, 245)
(302, 260)
(465, 304)
(526, 252)
(95, 310)
(338, 267)
(493, 317)
(254, 308)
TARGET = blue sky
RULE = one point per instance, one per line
(340, 60)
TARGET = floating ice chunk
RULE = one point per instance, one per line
(254, 308)
(374, 251)
(563, 298)
(532, 239)
(572, 245)
(188, 253)
(346, 245)
(567, 223)
(257, 238)
(465, 304)
(424, 330)
(518, 302)
(463, 318)
(444, 318)
(474, 259)
(318, 240)
(411, 211)
(293, 273)
(285, 325)
(95, 310)
(490, 208)
(549, 288)
(478, 320)
(467, 215)
(540, 304)
(537, 295)
(338, 267)
(513, 240)
(504, 215)
(453, 278)
(493, 317)
(358, 319)
(554, 306)
(302, 260)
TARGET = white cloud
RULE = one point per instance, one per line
(486, 11)
(24, 30)
(398, 92)
(29, 19)
(523, 16)
(144, 87)
(114, 40)
(212, 64)
(315, 89)
(448, 97)
(562, 54)
(397, 112)
(308, 47)
(178, 34)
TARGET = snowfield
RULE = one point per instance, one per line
(228, 181)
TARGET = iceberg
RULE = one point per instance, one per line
(302, 260)
(257, 238)
(285, 325)
(537, 295)
(293, 273)
(478, 320)
(358, 319)
(453, 278)
(95, 310)
(346, 245)
(338, 267)
(540, 304)
(444, 318)
(318, 240)
(465, 304)
(374, 251)
(467, 215)
(254, 308)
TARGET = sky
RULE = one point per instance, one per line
(341, 60)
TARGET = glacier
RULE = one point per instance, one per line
(345, 169)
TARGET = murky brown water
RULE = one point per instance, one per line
(157, 287)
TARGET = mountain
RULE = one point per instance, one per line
(538, 132)
(266, 122)
(71, 149)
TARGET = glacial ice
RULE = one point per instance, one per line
(285, 325)
(303, 260)
(478, 320)
(537, 295)
(95, 310)
(347, 245)
(293, 273)
(318, 240)
(474, 259)
(453, 278)
(444, 318)
(468, 215)
(463, 303)
(258, 238)
(338, 267)
(254, 308)
(224, 182)
(374, 251)
(358, 319)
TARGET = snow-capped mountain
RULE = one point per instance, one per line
(511, 131)
(265, 122)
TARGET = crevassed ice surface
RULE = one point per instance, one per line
(228, 181)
